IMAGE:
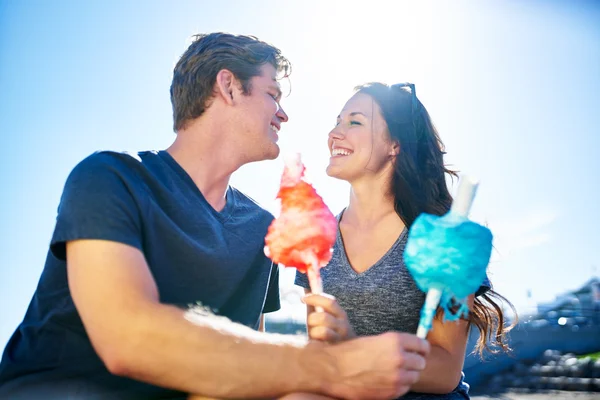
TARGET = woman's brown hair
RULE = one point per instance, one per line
(419, 186)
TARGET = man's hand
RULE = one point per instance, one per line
(378, 367)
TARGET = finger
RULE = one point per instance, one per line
(340, 326)
(404, 381)
(321, 318)
(324, 334)
(412, 361)
(414, 344)
(401, 390)
(325, 301)
(407, 379)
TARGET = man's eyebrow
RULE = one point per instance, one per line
(277, 89)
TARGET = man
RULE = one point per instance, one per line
(140, 238)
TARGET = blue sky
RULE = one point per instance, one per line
(513, 87)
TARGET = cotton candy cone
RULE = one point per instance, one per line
(305, 231)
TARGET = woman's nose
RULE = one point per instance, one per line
(336, 134)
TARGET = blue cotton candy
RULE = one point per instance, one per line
(450, 253)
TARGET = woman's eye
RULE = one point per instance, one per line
(355, 123)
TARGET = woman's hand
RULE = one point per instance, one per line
(330, 325)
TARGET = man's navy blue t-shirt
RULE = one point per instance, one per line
(196, 255)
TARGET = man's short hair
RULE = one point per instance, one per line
(196, 71)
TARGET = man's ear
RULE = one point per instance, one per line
(225, 85)
(394, 149)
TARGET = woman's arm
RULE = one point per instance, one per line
(448, 342)
(445, 361)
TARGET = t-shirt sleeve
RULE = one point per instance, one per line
(273, 303)
(301, 280)
(484, 288)
(97, 203)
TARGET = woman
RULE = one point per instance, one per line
(385, 145)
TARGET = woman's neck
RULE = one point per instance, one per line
(370, 203)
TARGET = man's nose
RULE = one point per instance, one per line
(281, 114)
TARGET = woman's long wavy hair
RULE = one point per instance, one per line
(419, 186)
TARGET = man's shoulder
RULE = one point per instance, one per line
(110, 158)
(106, 163)
(107, 171)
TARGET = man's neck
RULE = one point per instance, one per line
(207, 159)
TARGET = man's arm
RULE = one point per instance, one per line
(138, 337)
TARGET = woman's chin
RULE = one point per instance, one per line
(334, 172)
